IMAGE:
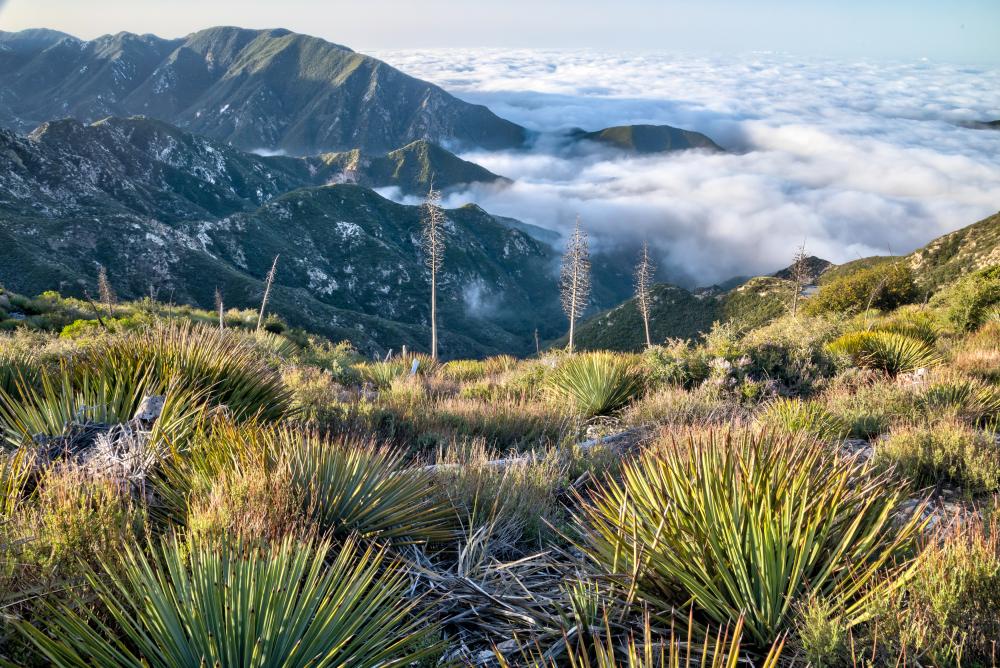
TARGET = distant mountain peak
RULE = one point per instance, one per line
(647, 139)
(256, 89)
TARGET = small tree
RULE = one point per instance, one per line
(644, 272)
(432, 239)
(800, 276)
(574, 278)
(106, 292)
(268, 282)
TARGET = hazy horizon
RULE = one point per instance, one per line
(961, 32)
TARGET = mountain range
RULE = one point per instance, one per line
(172, 213)
(255, 89)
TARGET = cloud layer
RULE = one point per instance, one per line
(857, 158)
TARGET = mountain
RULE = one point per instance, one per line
(981, 125)
(178, 215)
(647, 139)
(813, 269)
(413, 169)
(153, 168)
(255, 89)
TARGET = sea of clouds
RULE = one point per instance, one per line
(854, 158)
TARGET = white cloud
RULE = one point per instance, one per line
(858, 158)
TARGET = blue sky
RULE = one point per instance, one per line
(951, 30)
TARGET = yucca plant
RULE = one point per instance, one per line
(597, 383)
(382, 374)
(64, 404)
(206, 604)
(17, 368)
(355, 485)
(218, 363)
(888, 351)
(749, 523)
(68, 409)
(963, 398)
(604, 649)
(499, 364)
(806, 417)
(463, 371)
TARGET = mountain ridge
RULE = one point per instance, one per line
(257, 89)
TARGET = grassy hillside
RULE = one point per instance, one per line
(678, 313)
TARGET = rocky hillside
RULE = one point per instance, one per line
(647, 139)
(155, 169)
(963, 251)
(256, 89)
(677, 312)
(173, 214)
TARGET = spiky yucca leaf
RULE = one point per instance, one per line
(15, 469)
(749, 523)
(216, 362)
(723, 649)
(807, 417)
(350, 485)
(67, 403)
(597, 383)
(203, 604)
(962, 397)
(888, 351)
(17, 367)
(357, 486)
(381, 374)
(62, 403)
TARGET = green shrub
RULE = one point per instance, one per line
(791, 351)
(884, 286)
(78, 515)
(804, 417)
(676, 407)
(464, 371)
(869, 402)
(822, 633)
(15, 468)
(946, 614)
(943, 452)
(17, 367)
(519, 499)
(340, 360)
(219, 604)
(69, 404)
(749, 523)
(597, 383)
(978, 355)
(675, 363)
(971, 299)
(885, 351)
